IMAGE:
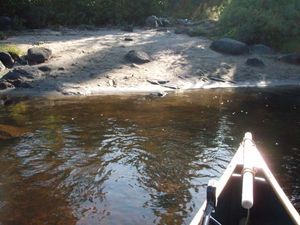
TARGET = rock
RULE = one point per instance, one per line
(37, 55)
(45, 68)
(5, 23)
(2, 67)
(255, 62)
(14, 55)
(128, 28)
(5, 84)
(128, 39)
(152, 21)
(261, 49)
(158, 82)
(164, 22)
(138, 57)
(293, 58)
(229, 46)
(184, 22)
(6, 59)
(22, 76)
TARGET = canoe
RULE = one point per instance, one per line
(246, 194)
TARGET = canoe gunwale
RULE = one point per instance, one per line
(259, 165)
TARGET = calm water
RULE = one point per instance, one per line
(138, 159)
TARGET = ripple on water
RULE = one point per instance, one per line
(111, 160)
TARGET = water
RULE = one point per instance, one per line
(137, 159)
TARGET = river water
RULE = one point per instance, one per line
(137, 159)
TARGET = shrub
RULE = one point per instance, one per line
(11, 49)
(261, 21)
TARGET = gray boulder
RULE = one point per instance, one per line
(152, 21)
(138, 57)
(255, 62)
(229, 46)
(22, 76)
(261, 49)
(37, 55)
(2, 67)
(293, 58)
(6, 59)
(164, 22)
(5, 23)
(184, 22)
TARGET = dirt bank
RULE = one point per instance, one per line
(92, 62)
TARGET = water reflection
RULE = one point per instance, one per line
(136, 160)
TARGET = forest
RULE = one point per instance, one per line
(273, 22)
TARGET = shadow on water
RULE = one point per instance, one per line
(137, 159)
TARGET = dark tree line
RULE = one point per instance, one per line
(40, 13)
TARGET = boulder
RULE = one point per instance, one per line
(152, 21)
(293, 58)
(164, 22)
(37, 55)
(5, 23)
(22, 76)
(2, 67)
(6, 59)
(5, 84)
(184, 22)
(255, 62)
(14, 55)
(138, 57)
(261, 49)
(229, 46)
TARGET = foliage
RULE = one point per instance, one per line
(11, 48)
(195, 9)
(261, 21)
(2, 35)
(41, 13)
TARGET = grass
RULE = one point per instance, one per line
(11, 48)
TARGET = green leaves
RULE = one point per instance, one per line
(261, 21)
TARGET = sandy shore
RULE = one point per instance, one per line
(92, 62)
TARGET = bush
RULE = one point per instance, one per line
(11, 49)
(271, 22)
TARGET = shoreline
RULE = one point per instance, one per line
(89, 63)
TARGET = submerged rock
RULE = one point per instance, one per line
(255, 62)
(293, 58)
(6, 59)
(138, 57)
(37, 55)
(229, 46)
